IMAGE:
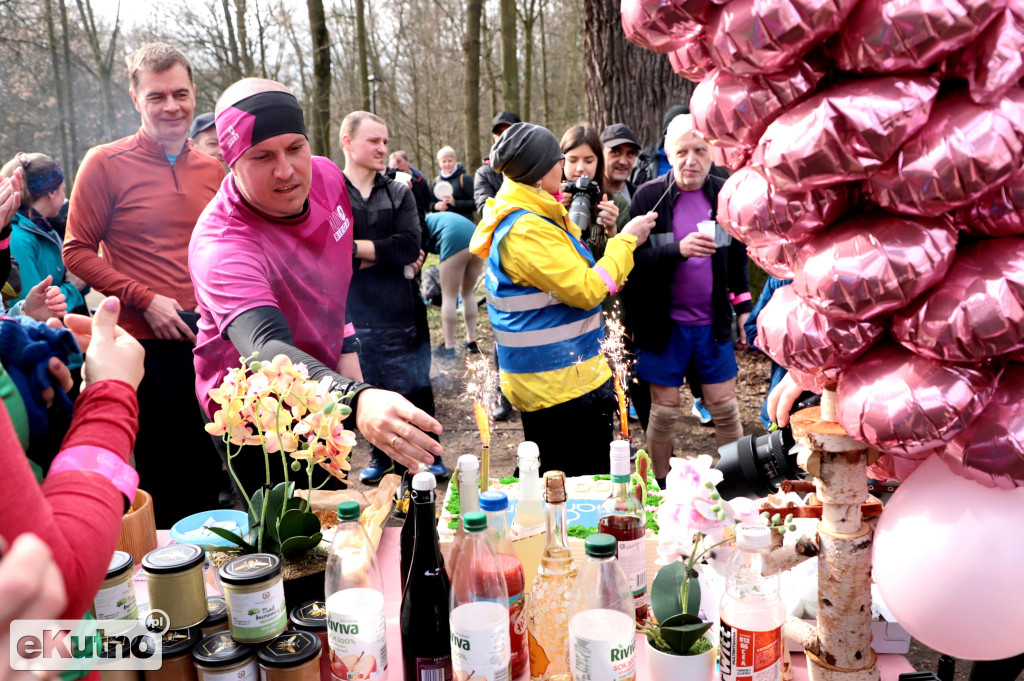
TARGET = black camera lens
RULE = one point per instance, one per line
(755, 466)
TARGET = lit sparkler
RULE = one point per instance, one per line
(482, 388)
(614, 348)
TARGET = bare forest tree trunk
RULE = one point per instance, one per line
(488, 40)
(509, 62)
(529, 18)
(243, 39)
(72, 161)
(262, 35)
(544, 66)
(102, 59)
(321, 107)
(236, 59)
(471, 85)
(624, 83)
(58, 82)
(364, 67)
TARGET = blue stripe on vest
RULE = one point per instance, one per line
(586, 326)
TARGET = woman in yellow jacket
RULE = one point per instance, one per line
(544, 293)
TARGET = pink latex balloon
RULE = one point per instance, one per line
(977, 312)
(895, 36)
(961, 152)
(796, 335)
(691, 59)
(994, 62)
(999, 211)
(845, 132)
(778, 258)
(873, 263)
(903, 403)
(733, 111)
(656, 25)
(763, 36)
(751, 211)
(991, 450)
(947, 559)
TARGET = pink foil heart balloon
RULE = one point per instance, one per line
(994, 62)
(902, 403)
(999, 211)
(764, 36)
(845, 132)
(691, 59)
(991, 450)
(874, 263)
(895, 36)
(796, 335)
(947, 557)
(977, 312)
(961, 152)
(656, 25)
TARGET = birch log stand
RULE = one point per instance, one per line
(839, 648)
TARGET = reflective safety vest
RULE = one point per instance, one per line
(533, 331)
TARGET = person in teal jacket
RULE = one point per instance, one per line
(34, 243)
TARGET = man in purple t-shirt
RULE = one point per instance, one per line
(271, 262)
(687, 292)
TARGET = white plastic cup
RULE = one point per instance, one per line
(707, 228)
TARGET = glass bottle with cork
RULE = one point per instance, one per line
(623, 517)
(426, 644)
(527, 530)
(547, 610)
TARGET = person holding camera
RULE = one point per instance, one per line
(544, 294)
(583, 190)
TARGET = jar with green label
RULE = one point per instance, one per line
(218, 657)
(311, 616)
(176, 656)
(217, 617)
(116, 598)
(255, 595)
(174, 577)
(292, 656)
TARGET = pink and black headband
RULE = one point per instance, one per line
(256, 118)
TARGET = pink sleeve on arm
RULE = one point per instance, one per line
(229, 277)
(77, 513)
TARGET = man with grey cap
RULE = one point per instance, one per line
(203, 134)
(487, 181)
(544, 293)
(620, 150)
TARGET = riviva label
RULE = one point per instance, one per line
(356, 634)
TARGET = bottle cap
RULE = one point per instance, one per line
(348, 510)
(600, 545)
(474, 521)
(620, 457)
(467, 463)
(493, 500)
(554, 487)
(528, 450)
(424, 481)
(753, 537)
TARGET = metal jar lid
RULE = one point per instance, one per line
(178, 642)
(310, 616)
(120, 563)
(173, 558)
(290, 649)
(216, 611)
(251, 569)
(220, 650)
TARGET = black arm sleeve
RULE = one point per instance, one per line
(265, 330)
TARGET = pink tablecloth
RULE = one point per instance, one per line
(891, 665)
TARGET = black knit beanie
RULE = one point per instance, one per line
(525, 153)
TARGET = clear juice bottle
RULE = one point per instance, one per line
(528, 523)
(468, 480)
(547, 608)
(354, 602)
(479, 612)
(602, 629)
(752, 612)
(624, 518)
(494, 504)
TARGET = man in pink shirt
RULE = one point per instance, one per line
(271, 261)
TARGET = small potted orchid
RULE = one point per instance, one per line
(297, 422)
(695, 525)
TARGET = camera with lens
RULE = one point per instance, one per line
(585, 193)
(755, 466)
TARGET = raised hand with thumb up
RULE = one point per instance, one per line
(110, 352)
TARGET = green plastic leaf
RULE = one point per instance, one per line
(665, 593)
(296, 523)
(293, 546)
(682, 631)
(232, 537)
(277, 498)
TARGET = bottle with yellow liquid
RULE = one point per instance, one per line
(528, 525)
(548, 605)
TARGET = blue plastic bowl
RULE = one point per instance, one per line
(197, 520)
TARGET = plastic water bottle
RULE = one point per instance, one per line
(602, 633)
(355, 602)
(479, 607)
(752, 612)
